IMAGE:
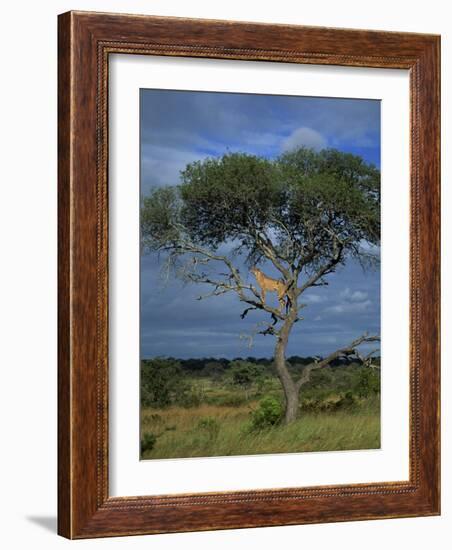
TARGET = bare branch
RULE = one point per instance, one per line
(234, 282)
(341, 352)
(258, 329)
(268, 330)
(320, 283)
(326, 268)
(216, 292)
(366, 360)
(267, 248)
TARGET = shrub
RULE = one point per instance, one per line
(191, 397)
(243, 373)
(213, 370)
(148, 442)
(162, 382)
(368, 382)
(268, 413)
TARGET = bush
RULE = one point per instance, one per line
(368, 382)
(162, 382)
(268, 414)
(148, 442)
(243, 373)
(191, 397)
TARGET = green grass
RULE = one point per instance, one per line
(215, 430)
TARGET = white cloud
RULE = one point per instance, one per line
(357, 307)
(161, 166)
(306, 137)
(353, 296)
(254, 140)
(314, 299)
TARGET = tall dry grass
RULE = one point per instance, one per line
(210, 430)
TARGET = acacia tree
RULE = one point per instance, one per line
(304, 213)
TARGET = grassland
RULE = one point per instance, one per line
(185, 433)
(336, 413)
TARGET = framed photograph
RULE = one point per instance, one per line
(248, 275)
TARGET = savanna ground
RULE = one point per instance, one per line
(201, 408)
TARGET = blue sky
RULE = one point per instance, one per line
(179, 127)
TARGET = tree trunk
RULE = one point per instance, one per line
(291, 392)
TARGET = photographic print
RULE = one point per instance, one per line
(259, 275)
(220, 234)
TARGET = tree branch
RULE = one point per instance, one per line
(366, 360)
(235, 283)
(323, 270)
(267, 248)
(341, 352)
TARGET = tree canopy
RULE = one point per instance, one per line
(299, 210)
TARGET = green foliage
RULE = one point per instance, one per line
(331, 192)
(302, 199)
(236, 382)
(162, 382)
(244, 373)
(213, 370)
(148, 442)
(159, 212)
(269, 413)
(321, 378)
(192, 396)
(368, 382)
(354, 377)
(219, 195)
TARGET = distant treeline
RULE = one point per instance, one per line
(206, 366)
(167, 381)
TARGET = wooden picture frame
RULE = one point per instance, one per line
(85, 42)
